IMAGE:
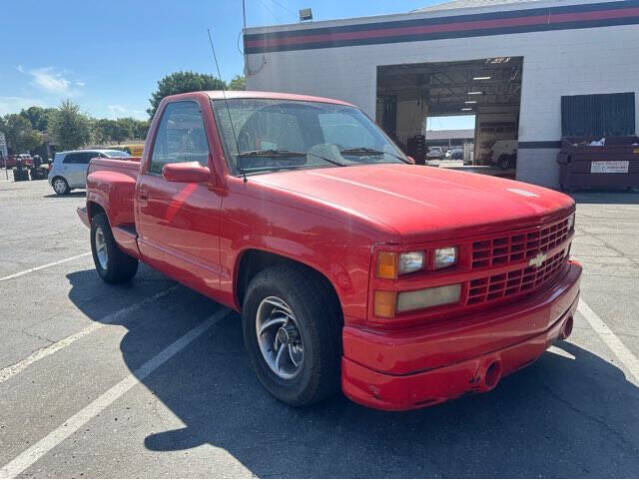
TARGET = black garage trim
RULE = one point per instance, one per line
(375, 38)
(540, 144)
(447, 35)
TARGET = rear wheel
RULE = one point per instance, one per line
(60, 186)
(111, 263)
(292, 332)
(503, 161)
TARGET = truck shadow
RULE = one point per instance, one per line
(75, 194)
(571, 414)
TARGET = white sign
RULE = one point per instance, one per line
(609, 166)
(3, 145)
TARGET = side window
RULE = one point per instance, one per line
(87, 156)
(180, 138)
(72, 158)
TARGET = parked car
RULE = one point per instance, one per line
(25, 159)
(406, 286)
(504, 153)
(455, 154)
(69, 169)
(434, 153)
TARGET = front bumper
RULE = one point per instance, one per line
(435, 363)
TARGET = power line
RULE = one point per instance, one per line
(270, 11)
(285, 8)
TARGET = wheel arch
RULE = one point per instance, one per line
(252, 261)
(94, 208)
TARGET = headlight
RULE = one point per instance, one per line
(571, 221)
(445, 257)
(391, 264)
(411, 262)
(429, 297)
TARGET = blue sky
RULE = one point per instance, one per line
(108, 55)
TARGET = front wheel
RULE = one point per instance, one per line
(292, 332)
(111, 263)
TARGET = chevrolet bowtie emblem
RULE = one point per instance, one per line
(537, 260)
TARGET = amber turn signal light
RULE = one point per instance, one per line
(387, 265)
(385, 303)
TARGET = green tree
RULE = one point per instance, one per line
(21, 137)
(69, 127)
(38, 117)
(238, 82)
(140, 130)
(182, 82)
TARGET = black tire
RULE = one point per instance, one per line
(120, 267)
(503, 161)
(319, 320)
(63, 182)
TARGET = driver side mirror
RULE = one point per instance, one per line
(188, 172)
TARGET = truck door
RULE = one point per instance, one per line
(178, 222)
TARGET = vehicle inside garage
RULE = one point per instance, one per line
(489, 89)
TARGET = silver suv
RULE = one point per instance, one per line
(69, 169)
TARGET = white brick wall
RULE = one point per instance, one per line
(556, 63)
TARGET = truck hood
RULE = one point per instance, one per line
(417, 202)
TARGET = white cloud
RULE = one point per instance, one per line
(80, 84)
(51, 81)
(116, 110)
(15, 104)
(20, 68)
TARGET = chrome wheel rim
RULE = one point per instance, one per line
(59, 186)
(279, 338)
(101, 248)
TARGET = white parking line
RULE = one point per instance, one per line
(41, 267)
(624, 355)
(31, 455)
(12, 370)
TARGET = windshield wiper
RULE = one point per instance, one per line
(271, 153)
(364, 151)
(361, 151)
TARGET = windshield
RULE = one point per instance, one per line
(268, 135)
(117, 153)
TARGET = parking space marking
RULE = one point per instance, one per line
(613, 342)
(41, 267)
(32, 454)
(12, 370)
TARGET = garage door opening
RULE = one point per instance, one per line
(412, 99)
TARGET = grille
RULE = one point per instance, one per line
(519, 246)
(514, 282)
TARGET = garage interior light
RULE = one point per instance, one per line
(475, 93)
(482, 78)
(470, 101)
(467, 109)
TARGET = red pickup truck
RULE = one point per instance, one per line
(407, 285)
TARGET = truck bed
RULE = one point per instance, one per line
(111, 185)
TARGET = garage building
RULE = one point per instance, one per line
(530, 71)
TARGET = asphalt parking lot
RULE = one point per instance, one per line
(151, 379)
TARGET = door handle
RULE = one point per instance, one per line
(143, 197)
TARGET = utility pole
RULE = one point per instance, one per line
(244, 14)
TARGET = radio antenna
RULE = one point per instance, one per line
(226, 104)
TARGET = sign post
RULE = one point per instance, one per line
(4, 153)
